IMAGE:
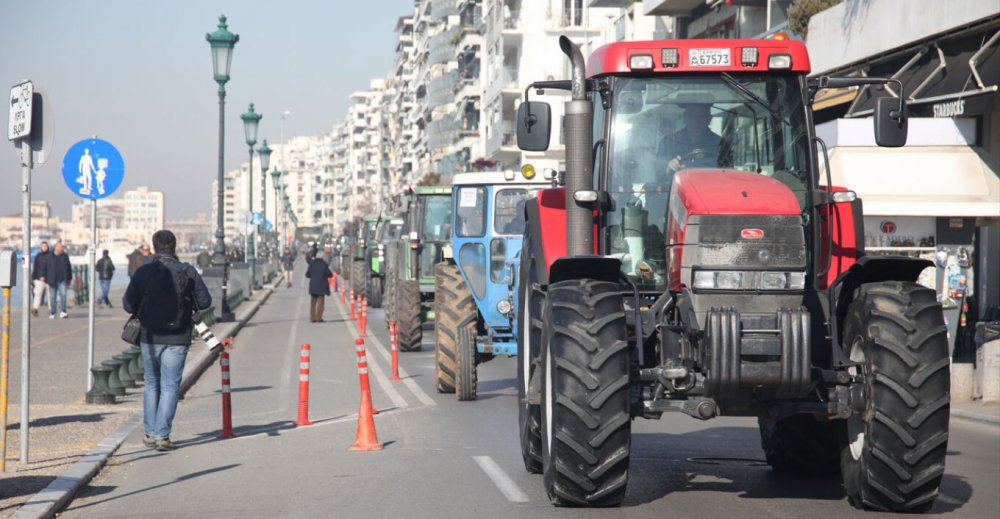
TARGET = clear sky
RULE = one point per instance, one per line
(138, 73)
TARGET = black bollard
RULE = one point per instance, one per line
(136, 367)
(100, 393)
(127, 379)
(115, 383)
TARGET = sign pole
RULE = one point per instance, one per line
(4, 379)
(25, 294)
(93, 288)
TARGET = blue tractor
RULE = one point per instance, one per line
(476, 285)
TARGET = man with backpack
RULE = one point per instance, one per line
(164, 294)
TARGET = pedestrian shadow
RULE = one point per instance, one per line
(496, 385)
(245, 389)
(93, 491)
(59, 420)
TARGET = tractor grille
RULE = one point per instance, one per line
(749, 242)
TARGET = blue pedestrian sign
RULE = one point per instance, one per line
(257, 218)
(93, 169)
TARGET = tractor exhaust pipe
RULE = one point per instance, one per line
(578, 128)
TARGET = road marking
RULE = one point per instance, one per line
(500, 478)
(381, 378)
(286, 377)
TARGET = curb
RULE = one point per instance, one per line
(976, 417)
(51, 499)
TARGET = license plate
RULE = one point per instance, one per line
(709, 57)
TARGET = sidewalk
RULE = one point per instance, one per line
(977, 410)
(69, 439)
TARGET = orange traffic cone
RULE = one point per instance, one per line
(365, 439)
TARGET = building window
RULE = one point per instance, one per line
(572, 13)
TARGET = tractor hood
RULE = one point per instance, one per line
(731, 192)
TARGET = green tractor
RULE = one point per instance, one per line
(409, 289)
(387, 232)
(360, 257)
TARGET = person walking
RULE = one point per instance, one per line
(318, 273)
(164, 294)
(105, 270)
(58, 273)
(38, 277)
(203, 260)
(288, 263)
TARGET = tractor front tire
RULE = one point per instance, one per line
(895, 451)
(467, 359)
(454, 309)
(529, 337)
(375, 292)
(801, 444)
(358, 278)
(586, 421)
(408, 319)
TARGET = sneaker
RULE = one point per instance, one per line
(52, 316)
(164, 444)
(34, 312)
(63, 315)
(148, 441)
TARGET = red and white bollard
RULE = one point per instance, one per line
(363, 322)
(227, 409)
(333, 281)
(352, 303)
(303, 418)
(394, 340)
(366, 389)
(343, 292)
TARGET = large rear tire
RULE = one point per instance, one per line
(408, 319)
(801, 444)
(389, 300)
(467, 359)
(454, 309)
(586, 424)
(529, 333)
(358, 281)
(895, 450)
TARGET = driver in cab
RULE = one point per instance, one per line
(695, 145)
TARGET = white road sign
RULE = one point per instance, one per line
(19, 122)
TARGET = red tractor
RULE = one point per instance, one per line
(696, 259)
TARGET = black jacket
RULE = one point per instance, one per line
(105, 268)
(38, 268)
(141, 289)
(57, 269)
(318, 274)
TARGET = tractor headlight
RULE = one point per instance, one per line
(748, 280)
(503, 306)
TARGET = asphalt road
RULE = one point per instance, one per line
(445, 458)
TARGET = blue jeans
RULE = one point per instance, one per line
(60, 291)
(164, 364)
(105, 288)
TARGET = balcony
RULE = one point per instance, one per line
(441, 9)
(670, 7)
(441, 47)
(441, 90)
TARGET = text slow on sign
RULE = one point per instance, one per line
(19, 122)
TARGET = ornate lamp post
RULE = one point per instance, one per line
(251, 120)
(276, 184)
(222, 42)
(265, 162)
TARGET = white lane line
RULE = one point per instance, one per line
(291, 356)
(500, 478)
(408, 381)
(380, 375)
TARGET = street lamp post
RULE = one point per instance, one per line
(222, 43)
(276, 184)
(251, 121)
(265, 162)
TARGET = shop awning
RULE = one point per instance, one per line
(919, 180)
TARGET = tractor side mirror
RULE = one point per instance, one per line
(534, 125)
(890, 122)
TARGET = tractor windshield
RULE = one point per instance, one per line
(748, 122)
(508, 216)
(437, 218)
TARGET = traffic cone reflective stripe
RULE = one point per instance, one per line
(343, 292)
(303, 418)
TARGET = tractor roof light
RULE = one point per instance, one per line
(780, 36)
(508, 174)
(748, 56)
(640, 62)
(844, 196)
(670, 57)
(548, 174)
(528, 171)
(779, 61)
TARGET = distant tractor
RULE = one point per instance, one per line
(360, 257)
(387, 231)
(699, 261)
(475, 288)
(409, 290)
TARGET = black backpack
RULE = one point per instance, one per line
(167, 315)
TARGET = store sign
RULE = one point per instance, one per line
(888, 227)
(949, 109)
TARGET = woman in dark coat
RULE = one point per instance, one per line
(318, 273)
